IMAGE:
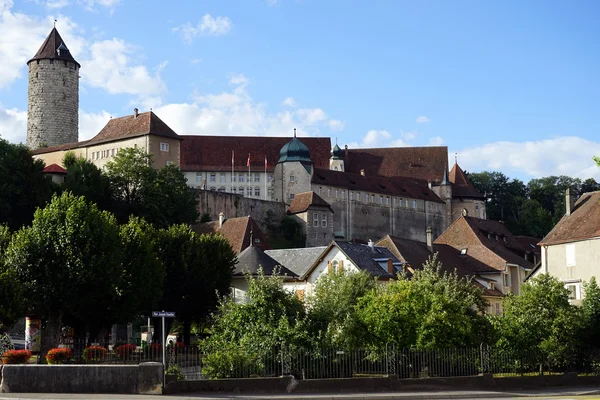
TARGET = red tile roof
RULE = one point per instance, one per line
(472, 234)
(60, 147)
(302, 201)
(237, 232)
(130, 126)
(462, 185)
(54, 169)
(397, 186)
(530, 244)
(213, 153)
(426, 163)
(582, 224)
(49, 47)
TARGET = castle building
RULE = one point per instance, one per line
(53, 95)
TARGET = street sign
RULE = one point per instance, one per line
(163, 314)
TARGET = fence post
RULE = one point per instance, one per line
(390, 355)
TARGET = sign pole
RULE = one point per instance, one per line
(164, 314)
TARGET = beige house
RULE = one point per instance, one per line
(145, 131)
(571, 251)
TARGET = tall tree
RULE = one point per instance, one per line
(11, 302)
(68, 263)
(23, 186)
(162, 197)
(432, 310)
(86, 179)
(539, 321)
(550, 193)
(198, 271)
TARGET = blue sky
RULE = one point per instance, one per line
(508, 85)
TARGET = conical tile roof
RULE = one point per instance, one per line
(54, 48)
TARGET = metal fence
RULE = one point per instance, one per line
(190, 363)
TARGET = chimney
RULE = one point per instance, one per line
(221, 219)
(371, 244)
(362, 172)
(569, 202)
(390, 266)
(135, 113)
(346, 151)
(429, 233)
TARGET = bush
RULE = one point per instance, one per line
(232, 362)
(93, 354)
(125, 351)
(59, 356)
(16, 357)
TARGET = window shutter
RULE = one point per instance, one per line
(329, 267)
(341, 266)
(300, 294)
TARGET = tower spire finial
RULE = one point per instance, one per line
(455, 158)
(294, 132)
(251, 241)
(55, 23)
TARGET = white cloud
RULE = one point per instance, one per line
(382, 138)
(110, 66)
(566, 155)
(208, 26)
(55, 4)
(272, 3)
(289, 102)
(91, 4)
(91, 123)
(408, 136)
(436, 141)
(13, 125)
(235, 112)
(335, 125)
(422, 119)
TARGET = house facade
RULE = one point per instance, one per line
(571, 251)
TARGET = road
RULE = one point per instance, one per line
(579, 394)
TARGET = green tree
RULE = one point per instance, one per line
(332, 308)
(11, 304)
(24, 186)
(86, 179)
(142, 272)
(198, 271)
(432, 310)
(534, 220)
(540, 321)
(590, 310)
(249, 333)
(597, 160)
(67, 263)
(162, 197)
(550, 193)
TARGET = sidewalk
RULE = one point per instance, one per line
(466, 394)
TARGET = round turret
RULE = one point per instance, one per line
(294, 150)
(53, 95)
(337, 153)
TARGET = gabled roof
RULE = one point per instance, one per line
(130, 126)
(214, 153)
(297, 260)
(253, 258)
(462, 185)
(412, 252)
(54, 169)
(582, 224)
(60, 147)
(237, 231)
(397, 186)
(302, 202)
(530, 244)
(425, 163)
(49, 48)
(363, 257)
(486, 241)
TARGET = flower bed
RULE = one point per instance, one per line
(59, 356)
(125, 351)
(16, 357)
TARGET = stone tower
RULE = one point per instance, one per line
(53, 95)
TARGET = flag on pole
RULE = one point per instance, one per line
(248, 163)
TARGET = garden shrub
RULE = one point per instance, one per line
(59, 356)
(94, 354)
(16, 357)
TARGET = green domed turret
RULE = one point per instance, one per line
(294, 150)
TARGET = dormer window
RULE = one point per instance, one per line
(491, 285)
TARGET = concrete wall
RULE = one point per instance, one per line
(288, 384)
(159, 155)
(221, 180)
(475, 208)
(284, 184)
(318, 235)
(145, 378)
(53, 103)
(233, 205)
